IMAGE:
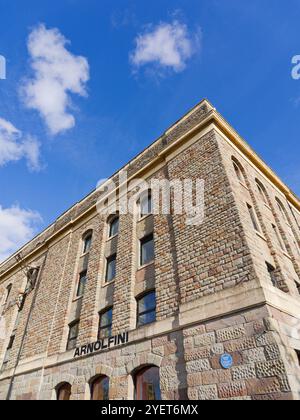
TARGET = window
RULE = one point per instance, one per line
(11, 342)
(253, 218)
(262, 192)
(82, 283)
(146, 309)
(73, 334)
(272, 273)
(63, 392)
(8, 290)
(279, 238)
(111, 268)
(32, 276)
(297, 286)
(114, 227)
(100, 389)
(87, 243)
(282, 209)
(238, 170)
(105, 324)
(298, 356)
(146, 204)
(147, 250)
(147, 384)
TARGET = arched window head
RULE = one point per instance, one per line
(114, 224)
(262, 191)
(147, 384)
(64, 392)
(87, 241)
(100, 388)
(239, 170)
(282, 209)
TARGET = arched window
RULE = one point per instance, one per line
(87, 242)
(147, 384)
(282, 209)
(262, 191)
(239, 170)
(100, 389)
(63, 392)
(114, 227)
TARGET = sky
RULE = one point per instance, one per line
(89, 84)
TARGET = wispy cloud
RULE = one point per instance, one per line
(17, 226)
(165, 46)
(15, 146)
(57, 74)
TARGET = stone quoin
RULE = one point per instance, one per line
(144, 306)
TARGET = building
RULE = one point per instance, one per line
(146, 306)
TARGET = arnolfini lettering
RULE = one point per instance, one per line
(104, 344)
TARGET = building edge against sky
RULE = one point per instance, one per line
(104, 308)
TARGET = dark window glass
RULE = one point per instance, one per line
(73, 334)
(272, 273)
(147, 385)
(105, 324)
(100, 389)
(146, 204)
(11, 342)
(298, 356)
(114, 227)
(82, 283)
(64, 392)
(146, 309)
(8, 291)
(111, 263)
(298, 287)
(253, 217)
(87, 244)
(147, 250)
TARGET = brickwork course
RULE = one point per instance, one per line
(214, 292)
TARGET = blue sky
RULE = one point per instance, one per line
(130, 88)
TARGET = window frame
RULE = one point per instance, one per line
(98, 380)
(138, 383)
(107, 326)
(271, 271)
(8, 292)
(64, 387)
(111, 224)
(147, 195)
(87, 239)
(254, 218)
(109, 260)
(144, 241)
(82, 274)
(148, 311)
(72, 325)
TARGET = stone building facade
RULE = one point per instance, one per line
(230, 285)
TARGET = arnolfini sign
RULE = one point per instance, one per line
(103, 344)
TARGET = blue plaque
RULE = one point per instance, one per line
(226, 361)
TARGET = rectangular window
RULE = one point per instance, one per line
(146, 204)
(272, 273)
(11, 342)
(82, 283)
(111, 264)
(105, 324)
(147, 250)
(146, 309)
(8, 290)
(253, 218)
(114, 227)
(73, 335)
(87, 244)
(279, 239)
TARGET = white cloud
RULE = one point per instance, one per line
(57, 74)
(17, 226)
(167, 45)
(14, 146)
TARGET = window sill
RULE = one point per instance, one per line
(107, 284)
(245, 186)
(76, 299)
(145, 325)
(141, 219)
(112, 237)
(287, 255)
(261, 236)
(85, 254)
(142, 267)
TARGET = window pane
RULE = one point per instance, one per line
(148, 385)
(73, 334)
(82, 283)
(253, 218)
(147, 303)
(147, 309)
(146, 205)
(148, 318)
(87, 244)
(111, 268)
(106, 318)
(105, 324)
(147, 250)
(100, 389)
(114, 227)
